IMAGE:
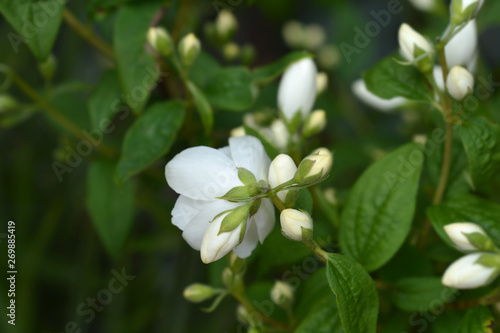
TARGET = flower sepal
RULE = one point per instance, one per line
(241, 193)
(235, 218)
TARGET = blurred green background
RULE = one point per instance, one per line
(61, 261)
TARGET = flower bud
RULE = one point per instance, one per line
(314, 36)
(280, 133)
(413, 45)
(468, 237)
(472, 271)
(297, 89)
(329, 56)
(462, 49)
(7, 103)
(189, 48)
(237, 132)
(296, 225)
(424, 5)
(225, 25)
(321, 82)
(463, 10)
(217, 244)
(460, 83)
(197, 293)
(385, 105)
(294, 34)
(282, 294)
(281, 170)
(160, 40)
(231, 51)
(48, 67)
(315, 166)
(315, 123)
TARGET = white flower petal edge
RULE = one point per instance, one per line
(247, 152)
(359, 89)
(462, 48)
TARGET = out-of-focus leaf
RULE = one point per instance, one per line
(388, 79)
(36, 24)
(111, 206)
(203, 69)
(264, 75)
(204, 108)
(379, 211)
(478, 319)
(150, 137)
(482, 143)
(104, 100)
(357, 298)
(136, 67)
(231, 89)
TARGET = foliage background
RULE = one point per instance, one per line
(60, 258)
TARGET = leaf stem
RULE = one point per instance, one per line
(57, 115)
(87, 35)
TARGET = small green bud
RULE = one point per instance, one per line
(197, 293)
(231, 51)
(48, 68)
(225, 25)
(282, 294)
(160, 40)
(189, 49)
(315, 123)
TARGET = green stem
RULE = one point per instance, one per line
(277, 201)
(57, 115)
(87, 35)
(317, 250)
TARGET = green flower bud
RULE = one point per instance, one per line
(160, 40)
(315, 123)
(314, 167)
(225, 25)
(282, 294)
(197, 293)
(189, 49)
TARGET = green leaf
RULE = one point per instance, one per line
(150, 137)
(408, 262)
(136, 67)
(420, 293)
(231, 89)
(466, 208)
(204, 108)
(104, 101)
(264, 75)
(203, 69)
(388, 79)
(323, 318)
(271, 150)
(111, 207)
(477, 320)
(36, 24)
(357, 298)
(379, 210)
(481, 140)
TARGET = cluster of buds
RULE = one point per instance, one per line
(189, 46)
(480, 266)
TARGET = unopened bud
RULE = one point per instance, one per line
(160, 40)
(315, 166)
(231, 51)
(237, 132)
(469, 237)
(280, 133)
(463, 10)
(472, 271)
(314, 36)
(225, 25)
(296, 225)
(315, 123)
(282, 294)
(329, 56)
(321, 82)
(413, 46)
(331, 196)
(281, 170)
(197, 293)
(48, 67)
(189, 48)
(294, 34)
(460, 83)
(424, 5)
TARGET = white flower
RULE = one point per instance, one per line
(359, 89)
(297, 89)
(467, 273)
(410, 41)
(200, 175)
(282, 169)
(458, 231)
(462, 48)
(460, 83)
(296, 225)
(424, 5)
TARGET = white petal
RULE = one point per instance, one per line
(461, 49)
(185, 209)
(297, 89)
(201, 173)
(226, 151)
(248, 153)
(465, 273)
(361, 91)
(438, 77)
(214, 245)
(245, 248)
(264, 219)
(197, 227)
